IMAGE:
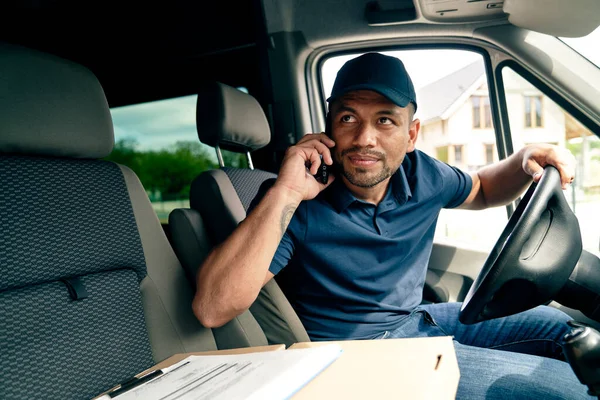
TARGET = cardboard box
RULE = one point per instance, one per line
(420, 368)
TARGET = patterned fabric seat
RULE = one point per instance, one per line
(91, 291)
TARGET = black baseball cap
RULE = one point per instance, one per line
(374, 71)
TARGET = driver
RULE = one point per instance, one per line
(352, 254)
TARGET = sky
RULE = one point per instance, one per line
(158, 124)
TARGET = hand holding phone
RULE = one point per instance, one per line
(303, 172)
(322, 174)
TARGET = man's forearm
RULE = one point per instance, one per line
(232, 275)
(500, 183)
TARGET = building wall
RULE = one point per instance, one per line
(430, 137)
(457, 129)
(553, 128)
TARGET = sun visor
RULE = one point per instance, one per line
(574, 18)
(462, 10)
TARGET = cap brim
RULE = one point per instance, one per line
(394, 96)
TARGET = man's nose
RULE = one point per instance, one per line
(365, 136)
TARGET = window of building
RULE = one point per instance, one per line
(441, 153)
(533, 111)
(458, 154)
(482, 115)
(489, 154)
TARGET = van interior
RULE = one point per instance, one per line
(135, 138)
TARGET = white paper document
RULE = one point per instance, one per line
(259, 376)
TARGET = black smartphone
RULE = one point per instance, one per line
(322, 174)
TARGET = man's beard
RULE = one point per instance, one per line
(360, 177)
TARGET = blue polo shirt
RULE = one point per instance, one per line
(352, 269)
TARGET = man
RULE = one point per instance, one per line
(353, 253)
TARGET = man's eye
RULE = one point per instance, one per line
(347, 118)
(385, 121)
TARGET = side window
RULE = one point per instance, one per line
(456, 128)
(159, 142)
(534, 117)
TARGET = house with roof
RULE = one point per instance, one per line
(456, 120)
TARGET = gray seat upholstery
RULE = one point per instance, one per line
(232, 120)
(192, 244)
(91, 291)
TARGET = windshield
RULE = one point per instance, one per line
(587, 46)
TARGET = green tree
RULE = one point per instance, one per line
(170, 171)
(124, 152)
(575, 148)
(235, 160)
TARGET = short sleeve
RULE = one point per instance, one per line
(457, 185)
(283, 254)
(287, 246)
(262, 191)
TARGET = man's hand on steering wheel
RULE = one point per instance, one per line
(537, 156)
(534, 256)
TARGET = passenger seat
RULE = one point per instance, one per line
(91, 292)
(230, 119)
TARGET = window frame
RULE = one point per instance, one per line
(543, 88)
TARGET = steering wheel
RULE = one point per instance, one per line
(533, 258)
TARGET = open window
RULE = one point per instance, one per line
(534, 117)
(159, 142)
(456, 128)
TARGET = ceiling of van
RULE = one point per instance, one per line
(143, 51)
(140, 45)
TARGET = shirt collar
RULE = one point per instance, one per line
(341, 197)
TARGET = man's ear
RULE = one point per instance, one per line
(413, 133)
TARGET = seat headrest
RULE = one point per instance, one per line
(231, 119)
(51, 106)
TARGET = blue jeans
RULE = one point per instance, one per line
(515, 357)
